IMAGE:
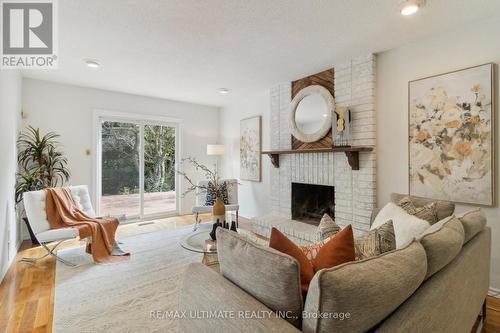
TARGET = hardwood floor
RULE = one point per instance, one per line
(27, 291)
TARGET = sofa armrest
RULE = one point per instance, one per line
(214, 304)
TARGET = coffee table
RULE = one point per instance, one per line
(196, 242)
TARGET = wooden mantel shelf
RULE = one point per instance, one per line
(352, 154)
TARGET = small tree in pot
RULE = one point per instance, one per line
(41, 164)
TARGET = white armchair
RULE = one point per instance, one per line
(34, 204)
(201, 196)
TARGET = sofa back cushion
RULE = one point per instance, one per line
(473, 222)
(443, 208)
(270, 276)
(442, 242)
(358, 295)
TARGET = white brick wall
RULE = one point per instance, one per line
(355, 191)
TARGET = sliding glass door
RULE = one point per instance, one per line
(159, 170)
(137, 169)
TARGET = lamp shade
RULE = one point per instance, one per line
(215, 149)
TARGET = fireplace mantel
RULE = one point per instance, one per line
(352, 154)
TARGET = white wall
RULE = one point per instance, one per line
(467, 46)
(67, 110)
(253, 196)
(10, 111)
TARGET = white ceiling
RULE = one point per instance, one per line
(187, 49)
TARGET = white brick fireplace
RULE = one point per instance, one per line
(354, 190)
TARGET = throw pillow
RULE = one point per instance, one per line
(327, 227)
(427, 212)
(338, 250)
(375, 242)
(212, 194)
(330, 252)
(280, 242)
(406, 226)
(311, 250)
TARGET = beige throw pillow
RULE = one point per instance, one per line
(327, 227)
(375, 242)
(427, 212)
(406, 226)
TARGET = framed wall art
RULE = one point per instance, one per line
(250, 149)
(451, 136)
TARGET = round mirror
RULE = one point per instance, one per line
(311, 113)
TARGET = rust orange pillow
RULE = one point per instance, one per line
(280, 242)
(337, 250)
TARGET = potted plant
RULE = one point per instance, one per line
(40, 165)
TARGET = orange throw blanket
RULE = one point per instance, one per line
(62, 212)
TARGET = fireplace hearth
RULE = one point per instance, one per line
(310, 202)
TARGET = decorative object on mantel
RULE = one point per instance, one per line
(451, 133)
(340, 127)
(352, 154)
(311, 113)
(250, 148)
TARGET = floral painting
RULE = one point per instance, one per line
(451, 136)
(250, 147)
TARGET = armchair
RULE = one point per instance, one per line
(34, 204)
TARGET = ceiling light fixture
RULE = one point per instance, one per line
(92, 63)
(223, 90)
(409, 7)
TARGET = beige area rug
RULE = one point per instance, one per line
(120, 297)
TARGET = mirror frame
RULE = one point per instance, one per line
(327, 124)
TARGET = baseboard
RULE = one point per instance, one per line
(11, 261)
(493, 292)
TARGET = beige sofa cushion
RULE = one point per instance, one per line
(443, 208)
(368, 290)
(442, 242)
(473, 222)
(270, 276)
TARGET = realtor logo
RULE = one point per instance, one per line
(29, 34)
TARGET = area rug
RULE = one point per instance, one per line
(121, 297)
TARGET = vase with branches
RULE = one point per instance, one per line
(214, 184)
(41, 164)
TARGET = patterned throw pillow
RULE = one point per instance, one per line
(427, 212)
(212, 195)
(327, 227)
(312, 250)
(375, 242)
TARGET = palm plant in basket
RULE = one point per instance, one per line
(40, 164)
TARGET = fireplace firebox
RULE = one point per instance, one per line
(310, 202)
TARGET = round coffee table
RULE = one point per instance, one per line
(200, 241)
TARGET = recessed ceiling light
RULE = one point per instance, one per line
(409, 7)
(223, 90)
(92, 63)
(325, 115)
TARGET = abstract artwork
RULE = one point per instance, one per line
(451, 136)
(250, 148)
